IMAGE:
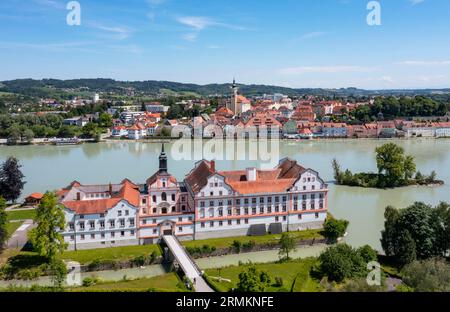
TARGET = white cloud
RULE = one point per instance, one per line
(118, 32)
(202, 22)
(191, 37)
(155, 2)
(314, 34)
(387, 79)
(51, 3)
(424, 63)
(325, 69)
(213, 46)
(196, 22)
(415, 2)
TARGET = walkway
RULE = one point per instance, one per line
(188, 266)
(20, 236)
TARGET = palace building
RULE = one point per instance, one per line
(209, 203)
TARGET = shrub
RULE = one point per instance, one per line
(278, 282)
(236, 245)
(333, 229)
(153, 256)
(249, 245)
(139, 260)
(90, 281)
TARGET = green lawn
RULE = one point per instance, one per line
(113, 253)
(271, 239)
(21, 214)
(164, 283)
(13, 226)
(288, 271)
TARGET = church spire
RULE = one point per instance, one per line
(162, 160)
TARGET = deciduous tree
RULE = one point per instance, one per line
(46, 237)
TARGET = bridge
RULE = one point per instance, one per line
(189, 267)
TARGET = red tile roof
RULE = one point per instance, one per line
(128, 192)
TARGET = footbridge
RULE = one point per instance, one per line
(186, 263)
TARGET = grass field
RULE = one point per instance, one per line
(21, 214)
(164, 283)
(298, 270)
(114, 253)
(271, 239)
(13, 226)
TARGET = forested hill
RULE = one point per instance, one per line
(46, 87)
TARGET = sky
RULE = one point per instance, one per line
(292, 43)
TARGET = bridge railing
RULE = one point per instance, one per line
(196, 267)
(199, 271)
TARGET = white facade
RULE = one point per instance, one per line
(115, 227)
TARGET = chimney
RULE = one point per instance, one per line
(110, 189)
(78, 196)
(251, 174)
(213, 165)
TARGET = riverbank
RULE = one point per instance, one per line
(158, 140)
(149, 271)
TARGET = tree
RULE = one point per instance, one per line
(287, 244)
(333, 229)
(367, 253)
(66, 131)
(58, 272)
(14, 135)
(90, 130)
(46, 238)
(253, 280)
(390, 162)
(416, 232)
(4, 235)
(11, 179)
(28, 136)
(409, 167)
(105, 120)
(340, 262)
(431, 275)
(337, 171)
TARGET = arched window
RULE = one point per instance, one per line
(173, 209)
(154, 198)
(163, 196)
(164, 210)
(173, 197)
(164, 184)
(183, 208)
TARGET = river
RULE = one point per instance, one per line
(48, 167)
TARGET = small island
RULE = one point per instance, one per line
(395, 169)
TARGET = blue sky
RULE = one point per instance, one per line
(295, 43)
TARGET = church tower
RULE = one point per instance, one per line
(234, 105)
(162, 161)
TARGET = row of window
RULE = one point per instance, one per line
(154, 210)
(163, 198)
(155, 221)
(238, 221)
(102, 235)
(256, 210)
(112, 224)
(261, 200)
(120, 213)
